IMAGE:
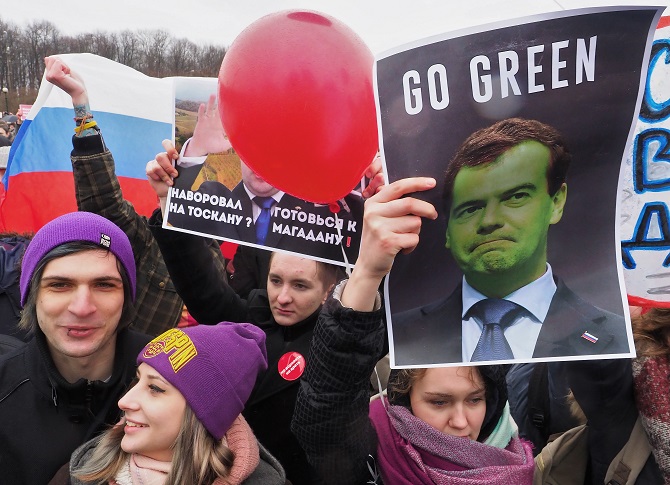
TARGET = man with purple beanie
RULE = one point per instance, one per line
(77, 285)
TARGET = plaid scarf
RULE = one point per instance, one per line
(411, 452)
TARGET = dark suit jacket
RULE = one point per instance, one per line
(432, 334)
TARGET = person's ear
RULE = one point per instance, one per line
(447, 244)
(558, 201)
(325, 296)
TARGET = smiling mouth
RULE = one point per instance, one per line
(79, 331)
(131, 424)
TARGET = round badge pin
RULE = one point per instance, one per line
(291, 366)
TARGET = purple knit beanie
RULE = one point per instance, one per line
(214, 368)
(77, 226)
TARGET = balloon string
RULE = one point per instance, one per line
(347, 268)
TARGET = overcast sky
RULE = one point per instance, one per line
(383, 24)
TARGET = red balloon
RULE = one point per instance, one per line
(297, 103)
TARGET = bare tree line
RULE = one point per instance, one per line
(153, 52)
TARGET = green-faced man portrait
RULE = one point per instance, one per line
(503, 190)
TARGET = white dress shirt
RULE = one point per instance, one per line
(254, 207)
(522, 334)
(184, 161)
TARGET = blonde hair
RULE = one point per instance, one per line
(402, 384)
(198, 457)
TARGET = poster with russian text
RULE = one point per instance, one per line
(217, 195)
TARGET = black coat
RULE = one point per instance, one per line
(331, 418)
(11, 252)
(44, 418)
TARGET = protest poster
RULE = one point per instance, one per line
(216, 194)
(645, 186)
(579, 74)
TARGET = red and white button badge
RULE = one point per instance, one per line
(291, 366)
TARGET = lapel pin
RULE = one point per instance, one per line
(591, 338)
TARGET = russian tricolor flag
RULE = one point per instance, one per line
(135, 113)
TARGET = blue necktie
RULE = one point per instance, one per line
(263, 221)
(496, 315)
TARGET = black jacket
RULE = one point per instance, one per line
(331, 418)
(211, 300)
(11, 252)
(44, 418)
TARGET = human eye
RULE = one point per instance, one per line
(517, 198)
(275, 281)
(155, 389)
(438, 401)
(300, 286)
(57, 285)
(465, 212)
(106, 285)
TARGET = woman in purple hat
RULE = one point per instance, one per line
(182, 421)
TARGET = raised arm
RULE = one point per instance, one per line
(391, 224)
(97, 189)
(208, 135)
(199, 277)
(331, 415)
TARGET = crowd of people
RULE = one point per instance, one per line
(9, 126)
(103, 379)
